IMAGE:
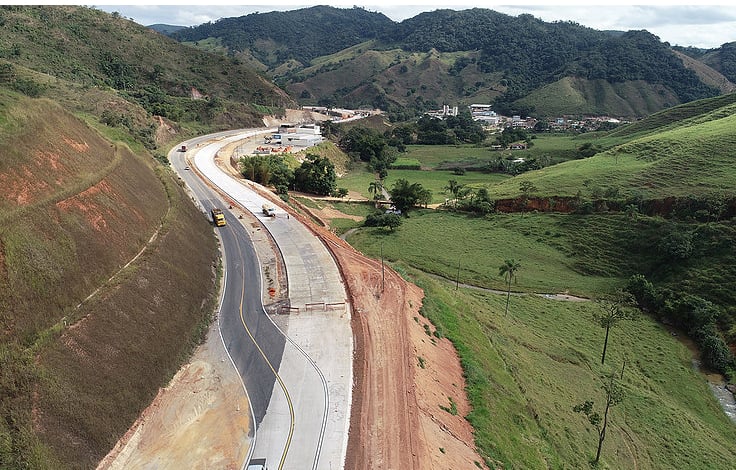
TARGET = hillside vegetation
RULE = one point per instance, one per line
(327, 56)
(74, 51)
(276, 37)
(682, 153)
(75, 208)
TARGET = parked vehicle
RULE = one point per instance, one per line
(257, 464)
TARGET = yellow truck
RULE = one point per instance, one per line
(218, 217)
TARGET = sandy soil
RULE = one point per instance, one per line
(403, 376)
(201, 420)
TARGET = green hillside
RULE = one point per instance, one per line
(92, 50)
(302, 34)
(652, 213)
(685, 152)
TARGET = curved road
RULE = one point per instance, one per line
(281, 360)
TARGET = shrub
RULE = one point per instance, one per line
(715, 353)
(677, 245)
(644, 292)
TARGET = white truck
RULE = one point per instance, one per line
(268, 210)
(257, 464)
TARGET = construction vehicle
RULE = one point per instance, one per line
(268, 210)
(218, 217)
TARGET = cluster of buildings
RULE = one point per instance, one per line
(446, 111)
(303, 135)
(484, 114)
(340, 114)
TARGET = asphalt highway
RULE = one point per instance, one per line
(242, 318)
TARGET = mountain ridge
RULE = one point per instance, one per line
(513, 56)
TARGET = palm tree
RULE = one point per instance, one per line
(375, 188)
(453, 187)
(508, 271)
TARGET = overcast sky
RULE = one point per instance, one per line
(705, 26)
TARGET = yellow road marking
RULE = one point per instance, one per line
(276, 374)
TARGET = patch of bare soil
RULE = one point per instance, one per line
(201, 420)
(294, 116)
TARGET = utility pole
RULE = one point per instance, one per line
(457, 279)
(383, 276)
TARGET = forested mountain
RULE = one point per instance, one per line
(723, 60)
(459, 57)
(302, 35)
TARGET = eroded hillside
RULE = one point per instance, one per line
(87, 339)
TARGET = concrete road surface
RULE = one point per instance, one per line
(305, 373)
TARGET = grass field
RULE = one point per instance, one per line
(556, 147)
(548, 148)
(556, 253)
(687, 160)
(359, 178)
(526, 371)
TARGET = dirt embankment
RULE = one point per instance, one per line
(409, 393)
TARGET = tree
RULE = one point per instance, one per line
(316, 175)
(454, 188)
(370, 146)
(267, 170)
(375, 188)
(614, 396)
(677, 244)
(381, 219)
(527, 188)
(508, 270)
(404, 195)
(392, 221)
(339, 192)
(614, 309)
(424, 197)
(632, 211)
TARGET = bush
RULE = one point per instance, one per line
(380, 219)
(677, 245)
(644, 292)
(715, 353)
(28, 87)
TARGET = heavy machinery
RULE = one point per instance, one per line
(218, 217)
